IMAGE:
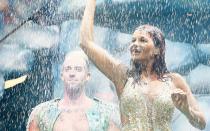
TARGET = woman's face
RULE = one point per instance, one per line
(142, 46)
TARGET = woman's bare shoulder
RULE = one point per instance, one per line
(179, 81)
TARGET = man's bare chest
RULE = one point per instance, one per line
(71, 121)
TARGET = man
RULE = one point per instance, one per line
(75, 111)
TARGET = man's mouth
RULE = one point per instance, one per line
(72, 81)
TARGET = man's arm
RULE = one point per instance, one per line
(33, 126)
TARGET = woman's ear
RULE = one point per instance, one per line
(157, 51)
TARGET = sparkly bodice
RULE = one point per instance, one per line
(145, 114)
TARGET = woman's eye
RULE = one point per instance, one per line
(133, 40)
(143, 40)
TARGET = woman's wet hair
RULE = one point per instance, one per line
(159, 65)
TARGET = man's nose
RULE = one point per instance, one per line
(71, 75)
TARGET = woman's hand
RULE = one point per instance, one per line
(184, 100)
(179, 98)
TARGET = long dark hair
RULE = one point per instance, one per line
(159, 65)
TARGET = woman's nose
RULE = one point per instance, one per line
(133, 45)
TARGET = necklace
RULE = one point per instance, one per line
(72, 110)
(78, 114)
(143, 83)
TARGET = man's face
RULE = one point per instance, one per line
(74, 72)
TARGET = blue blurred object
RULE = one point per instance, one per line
(1, 20)
(1, 86)
(46, 14)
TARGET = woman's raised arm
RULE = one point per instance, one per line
(111, 67)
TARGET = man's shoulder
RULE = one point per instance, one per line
(46, 104)
(103, 102)
(42, 107)
(44, 112)
(108, 110)
(104, 105)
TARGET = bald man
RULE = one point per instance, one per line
(75, 111)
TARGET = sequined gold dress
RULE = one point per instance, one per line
(144, 114)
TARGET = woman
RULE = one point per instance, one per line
(148, 92)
